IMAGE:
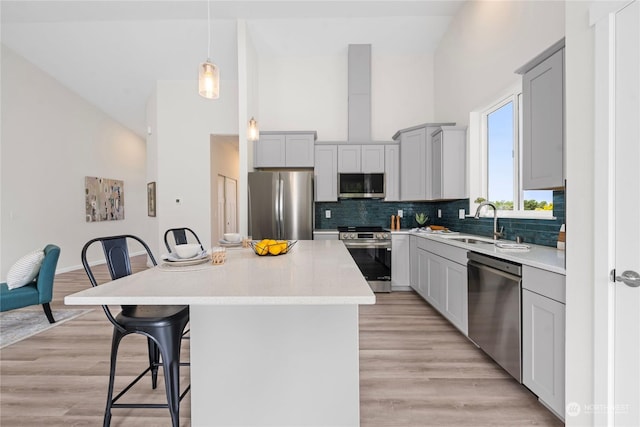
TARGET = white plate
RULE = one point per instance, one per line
(185, 262)
(230, 244)
(171, 257)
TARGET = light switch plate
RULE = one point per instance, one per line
(400, 213)
(439, 213)
(461, 213)
(327, 214)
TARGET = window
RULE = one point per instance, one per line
(502, 138)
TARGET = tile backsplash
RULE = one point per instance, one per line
(376, 212)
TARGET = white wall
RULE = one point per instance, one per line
(51, 140)
(485, 43)
(310, 93)
(185, 122)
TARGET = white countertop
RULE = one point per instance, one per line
(543, 257)
(314, 272)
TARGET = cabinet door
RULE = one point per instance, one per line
(435, 281)
(392, 172)
(326, 173)
(299, 150)
(413, 263)
(452, 180)
(399, 260)
(423, 265)
(349, 157)
(543, 339)
(455, 294)
(412, 164)
(436, 166)
(372, 158)
(543, 124)
(269, 151)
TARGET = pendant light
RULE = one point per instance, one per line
(253, 133)
(208, 72)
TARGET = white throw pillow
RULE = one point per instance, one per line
(25, 269)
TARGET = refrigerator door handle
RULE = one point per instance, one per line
(280, 209)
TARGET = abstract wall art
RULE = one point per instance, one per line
(104, 199)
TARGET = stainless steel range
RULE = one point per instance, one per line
(370, 248)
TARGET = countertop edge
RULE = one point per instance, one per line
(211, 301)
(503, 254)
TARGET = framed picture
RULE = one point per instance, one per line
(151, 199)
(104, 199)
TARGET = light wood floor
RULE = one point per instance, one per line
(415, 370)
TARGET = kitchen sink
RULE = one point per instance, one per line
(470, 240)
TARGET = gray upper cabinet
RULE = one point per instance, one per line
(359, 91)
(416, 174)
(326, 173)
(449, 163)
(413, 164)
(284, 149)
(392, 172)
(372, 158)
(349, 158)
(269, 151)
(543, 121)
(355, 158)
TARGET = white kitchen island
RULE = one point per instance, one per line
(274, 339)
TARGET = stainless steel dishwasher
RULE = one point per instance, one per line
(494, 309)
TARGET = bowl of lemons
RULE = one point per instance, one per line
(272, 247)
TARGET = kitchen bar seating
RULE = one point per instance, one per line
(180, 237)
(163, 326)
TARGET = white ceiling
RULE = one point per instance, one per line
(113, 52)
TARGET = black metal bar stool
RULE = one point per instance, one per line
(162, 325)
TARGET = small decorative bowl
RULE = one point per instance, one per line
(280, 247)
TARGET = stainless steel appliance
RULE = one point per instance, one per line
(370, 248)
(361, 185)
(494, 309)
(281, 205)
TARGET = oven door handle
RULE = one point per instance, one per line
(365, 245)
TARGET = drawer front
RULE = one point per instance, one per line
(543, 282)
(457, 255)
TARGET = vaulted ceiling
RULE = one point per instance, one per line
(112, 52)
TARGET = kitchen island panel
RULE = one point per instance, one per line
(275, 365)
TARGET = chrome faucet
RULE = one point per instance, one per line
(496, 234)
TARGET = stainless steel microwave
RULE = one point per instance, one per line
(361, 185)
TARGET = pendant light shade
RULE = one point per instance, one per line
(253, 133)
(208, 72)
(209, 80)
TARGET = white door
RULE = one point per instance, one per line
(617, 305)
(231, 205)
(627, 220)
(221, 202)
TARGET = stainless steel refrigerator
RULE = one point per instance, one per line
(281, 205)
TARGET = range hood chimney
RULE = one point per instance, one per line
(359, 87)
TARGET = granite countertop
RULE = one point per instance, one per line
(314, 272)
(543, 257)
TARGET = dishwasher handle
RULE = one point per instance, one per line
(478, 260)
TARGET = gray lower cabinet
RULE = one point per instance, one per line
(326, 173)
(284, 149)
(325, 235)
(400, 262)
(413, 263)
(543, 336)
(543, 123)
(441, 281)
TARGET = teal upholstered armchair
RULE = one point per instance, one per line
(40, 291)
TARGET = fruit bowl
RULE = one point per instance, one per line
(272, 247)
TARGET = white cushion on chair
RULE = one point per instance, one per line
(25, 269)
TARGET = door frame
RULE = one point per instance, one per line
(602, 19)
